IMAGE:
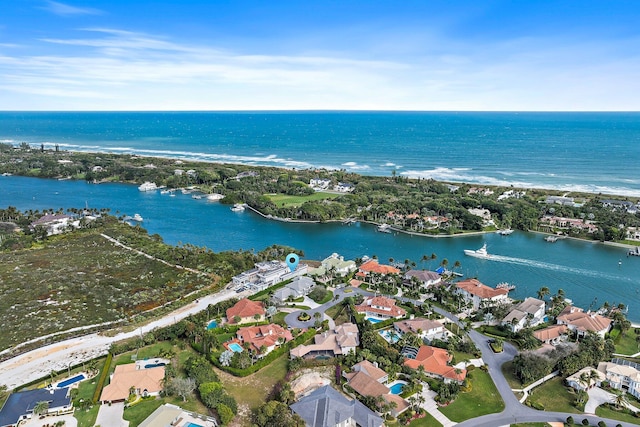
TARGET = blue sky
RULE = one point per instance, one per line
(287, 55)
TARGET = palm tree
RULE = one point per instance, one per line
(543, 292)
(621, 400)
(41, 407)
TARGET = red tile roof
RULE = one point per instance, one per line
(266, 335)
(477, 288)
(436, 361)
(245, 308)
(371, 305)
(372, 266)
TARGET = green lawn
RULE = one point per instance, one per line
(481, 400)
(627, 344)
(86, 418)
(139, 412)
(554, 396)
(253, 389)
(507, 371)
(606, 412)
(284, 200)
(427, 421)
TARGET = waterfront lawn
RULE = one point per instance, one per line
(554, 396)
(626, 344)
(284, 200)
(252, 390)
(481, 400)
(137, 413)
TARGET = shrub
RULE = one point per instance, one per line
(602, 424)
(585, 422)
(103, 377)
(570, 420)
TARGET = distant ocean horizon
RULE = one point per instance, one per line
(594, 152)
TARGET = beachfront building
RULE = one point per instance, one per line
(266, 274)
(326, 407)
(633, 233)
(319, 184)
(527, 314)
(340, 341)
(133, 379)
(483, 213)
(55, 224)
(344, 187)
(476, 293)
(425, 328)
(380, 308)
(582, 323)
(245, 311)
(263, 339)
(299, 287)
(585, 379)
(435, 362)
(20, 406)
(553, 335)
(622, 375)
(425, 278)
(555, 223)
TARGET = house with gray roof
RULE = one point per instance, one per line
(424, 277)
(299, 287)
(326, 407)
(529, 313)
(19, 406)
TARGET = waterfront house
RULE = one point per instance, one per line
(326, 407)
(425, 328)
(265, 338)
(563, 223)
(245, 311)
(380, 307)
(340, 341)
(476, 293)
(130, 378)
(344, 187)
(424, 277)
(553, 335)
(582, 323)
(299, 287)
(336, 264)
(585, 379)
(319, 184)
(527, 314)
(435, 362)
(622, 375)
(266, 274)
(55, 224)
(19, 406)
(373, 267)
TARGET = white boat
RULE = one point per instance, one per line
(505, 231)
(215, 197)
(238, 207)
(551, 239)
(479, 253)
(137, 217)
(166, 191)
(634, 252)
(148, 186)
(196, 196)
(384, 228)
(505, 285)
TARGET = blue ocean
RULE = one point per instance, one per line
(591, 152)
(583, 151)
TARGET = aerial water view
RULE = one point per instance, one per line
(319, 214)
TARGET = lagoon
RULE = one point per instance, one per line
(590, 273)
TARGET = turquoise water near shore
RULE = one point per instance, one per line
(589, 273)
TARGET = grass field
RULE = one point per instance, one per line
(553, 395)
(427, 421)
(284, 200)
(481, 400)
(606, 412)
(137, 413)
(627, 344)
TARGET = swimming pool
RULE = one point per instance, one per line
(212, 325)
(70, 381)
(389, 335)
(154, 365)
(374, 320)
(192, 425)
(234, 346)
(396, 386)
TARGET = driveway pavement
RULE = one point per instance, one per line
(111, 415)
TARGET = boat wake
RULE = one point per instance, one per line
(555, 267)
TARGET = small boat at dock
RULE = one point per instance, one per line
(505, 285)
(148, 186)
(504, 231)
(384, 228)
(634, 252)
(215, 197)
(551, 239)
(238, 207)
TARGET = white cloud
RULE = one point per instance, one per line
(62, 9)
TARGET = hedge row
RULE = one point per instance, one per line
(103, 377)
